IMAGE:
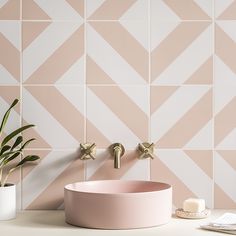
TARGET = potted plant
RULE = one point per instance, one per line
(11, 148)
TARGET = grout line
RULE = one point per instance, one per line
(111, 85)
(213, 104)
(21, 100)
(149, 78)
(85, 84)
(107, 20)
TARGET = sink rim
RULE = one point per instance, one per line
(166, 186)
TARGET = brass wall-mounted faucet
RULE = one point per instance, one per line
(146, 150)
(88, 151)
(117, 150)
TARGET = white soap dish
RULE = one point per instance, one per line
(192, 215)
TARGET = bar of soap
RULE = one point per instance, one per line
(194, 205)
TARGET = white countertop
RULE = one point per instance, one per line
(52, 222)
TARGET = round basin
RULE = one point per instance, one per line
(117, 204)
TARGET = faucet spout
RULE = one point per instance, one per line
(118, 151)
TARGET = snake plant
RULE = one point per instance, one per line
(12, 146)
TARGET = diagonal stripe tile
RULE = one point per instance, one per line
(61, 60)
(112, 32)
(174, 109)
(189, 124)
(140, 127)
(107, 122)
(75, 126)
(109, 60)
(48, 126)
(34, 56)
(193, 55)
(174, 45)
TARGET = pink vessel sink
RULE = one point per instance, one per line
(117, 204)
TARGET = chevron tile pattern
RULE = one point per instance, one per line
(126, 71)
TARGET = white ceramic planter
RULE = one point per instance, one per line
(8, 202)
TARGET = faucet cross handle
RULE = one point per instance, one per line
(88, 151)
(146, 150)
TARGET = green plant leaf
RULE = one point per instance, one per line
(4, 149)
(12, 157)
(26, 143)
(27, 159)
(8, 154)
(6, 115)
(17, 142)
(14, 133)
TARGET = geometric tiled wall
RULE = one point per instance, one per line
(127, 71)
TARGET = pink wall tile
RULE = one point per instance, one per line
(125, 71)
(44, 106)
